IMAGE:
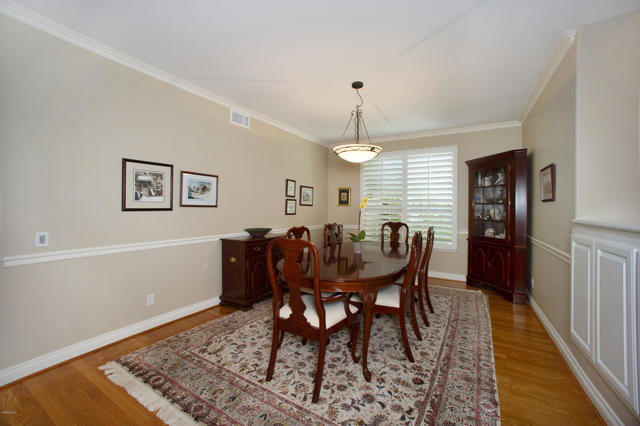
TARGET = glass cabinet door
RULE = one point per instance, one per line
(489, 203)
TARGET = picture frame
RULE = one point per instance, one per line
(290, 188)
(344, 196)
(198, 189)
(289, 207)
(146, 185)
(548, 183)
(306, 195)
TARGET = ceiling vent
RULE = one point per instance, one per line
(241, 119)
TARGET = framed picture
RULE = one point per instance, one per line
(306, 195)
(548, 183)
(198, 190)
(344, 196)
(289, 206)
(290, 188)
(146, 185)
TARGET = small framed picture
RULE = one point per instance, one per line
(306, 195)
(146, 185)
(198, 190)
(548, 183)
(289, 206)
(344, 196)
(290, 188)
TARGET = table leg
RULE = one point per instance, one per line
(369, 297)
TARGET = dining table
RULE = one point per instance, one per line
(343, 270)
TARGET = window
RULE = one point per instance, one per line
(416, 187)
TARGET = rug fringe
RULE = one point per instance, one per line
(169, 413)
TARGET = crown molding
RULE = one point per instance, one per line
(560, 51)
(449, 131)
(62, 32)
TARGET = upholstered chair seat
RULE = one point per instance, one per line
(334, 311)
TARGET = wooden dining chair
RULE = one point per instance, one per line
(394, 236)
(394, 299)
(332, 234)
(311, 316)
(423, 276)
(297, 232)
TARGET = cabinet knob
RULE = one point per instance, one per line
(256, 249)
(232, 259)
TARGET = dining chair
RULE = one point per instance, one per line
(332, 234)
(298, 232)
(423, 275)
(311, 316)
(394, 299)
(394, 236)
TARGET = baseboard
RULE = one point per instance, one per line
(18, 371)
(603, 407)
(448, 276)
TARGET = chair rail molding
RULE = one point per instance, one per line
(560, 254)
(53, 256)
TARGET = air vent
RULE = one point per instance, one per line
(241, 119)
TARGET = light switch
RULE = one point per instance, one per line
(42, 239)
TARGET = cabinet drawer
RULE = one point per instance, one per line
(257, 249)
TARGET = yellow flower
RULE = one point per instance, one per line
(363, 204)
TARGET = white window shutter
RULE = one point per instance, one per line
(415, 187)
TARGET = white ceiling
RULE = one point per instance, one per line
(426, 65)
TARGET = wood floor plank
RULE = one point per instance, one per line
(535, 386)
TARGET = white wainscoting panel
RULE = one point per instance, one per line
(604, 307)
(615, 354)
(581, 294)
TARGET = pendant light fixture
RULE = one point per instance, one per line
(357, 152)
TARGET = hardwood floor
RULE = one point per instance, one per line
(535, 386)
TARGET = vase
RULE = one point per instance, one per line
(357, 247)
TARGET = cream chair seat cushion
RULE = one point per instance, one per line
(334, 311)
(388, 296)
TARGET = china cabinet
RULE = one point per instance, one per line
(497, 253)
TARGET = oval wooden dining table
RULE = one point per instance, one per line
(341, 270)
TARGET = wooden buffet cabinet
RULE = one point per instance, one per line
(245, 278)
(497, 253)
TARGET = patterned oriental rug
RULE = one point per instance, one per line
(214, 373)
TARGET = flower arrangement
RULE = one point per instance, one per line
(360, 235)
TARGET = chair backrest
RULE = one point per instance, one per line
(298, 232)
(292, 273)
(414, 260)
(394, 237)
(332, 234)
(424, 264)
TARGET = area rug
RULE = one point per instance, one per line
(214, 373)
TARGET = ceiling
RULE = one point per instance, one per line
(426, 65)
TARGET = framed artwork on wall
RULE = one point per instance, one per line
(548, 183)
(146, 185)
(289, 207)
(290, 188)
(198, 190)
(344, 196)
(306, 195)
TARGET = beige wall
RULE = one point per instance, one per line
(549, 134)
(607, 121)
(68, 117)
(470, 145)
(342, 173)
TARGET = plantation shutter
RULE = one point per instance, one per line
(415, 187)
(382, 180)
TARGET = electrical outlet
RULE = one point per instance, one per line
(151, 299)
(42, 239)
(533, 282)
